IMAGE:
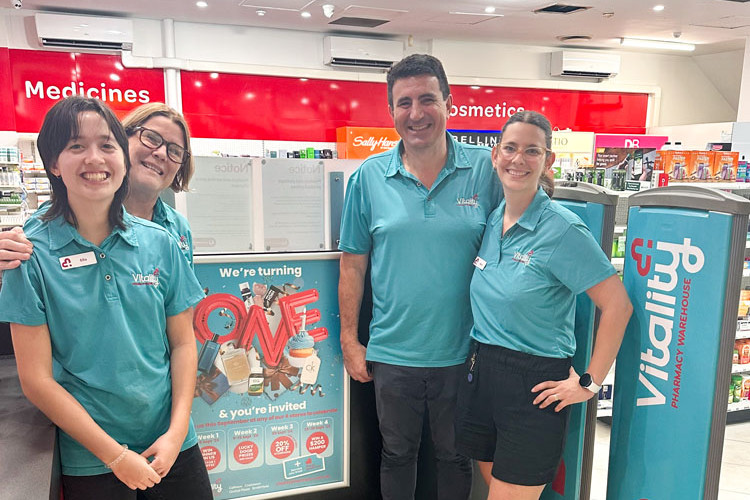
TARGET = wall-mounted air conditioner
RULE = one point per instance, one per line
(84, 32)
(584, 64)
(361, 52)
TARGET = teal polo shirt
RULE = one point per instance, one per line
(421, 244)
(107, 323)
(176, 225)
(164, 215)
(524, 298)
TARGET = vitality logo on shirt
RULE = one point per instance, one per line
(183, 243)
(468, 202)
(151, 279)
(523, 258)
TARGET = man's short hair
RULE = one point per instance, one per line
(417, 65)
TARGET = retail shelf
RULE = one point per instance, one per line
(621, 229)
(742, 334)
(10, 187)
(10, 205)
(741, 368)
(604, 412)
(742, 405)
(618, 263)
(14, 163)
(745, 273)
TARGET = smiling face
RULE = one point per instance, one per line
(520, 173)
(419, 111)
(152, 171)
(91, 165)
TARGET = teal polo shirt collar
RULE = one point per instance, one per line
(531, 216)
(452, 160)
(61, 233)
(161, 215)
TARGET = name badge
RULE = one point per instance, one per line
(480, 263)
(78, 260)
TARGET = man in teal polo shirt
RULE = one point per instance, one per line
(417, 214)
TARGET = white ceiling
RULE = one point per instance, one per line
(714, 25)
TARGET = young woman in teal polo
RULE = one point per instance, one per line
(101, 320)
(536, 256)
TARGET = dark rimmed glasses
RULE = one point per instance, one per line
(153, 140)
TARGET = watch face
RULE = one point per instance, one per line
(585, 380)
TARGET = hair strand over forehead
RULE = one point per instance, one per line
(140, 115)
(61, 124)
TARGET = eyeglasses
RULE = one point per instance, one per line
(532, 153)
(153, 140)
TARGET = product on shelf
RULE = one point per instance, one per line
(725, 165)
(736, 387)
(744, 308)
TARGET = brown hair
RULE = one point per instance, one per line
(142, 114)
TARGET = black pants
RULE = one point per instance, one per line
(403, 395)
(187, 480)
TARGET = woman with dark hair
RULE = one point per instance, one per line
(161, 158)
(536, 256)
(101, 321)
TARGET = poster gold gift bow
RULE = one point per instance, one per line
(276, 376)
(205, 383)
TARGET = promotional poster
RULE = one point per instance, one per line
(271, 397)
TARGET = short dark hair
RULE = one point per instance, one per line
(61, 124)
(417, 65)
(533, 118)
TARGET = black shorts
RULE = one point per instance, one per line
(496, 420)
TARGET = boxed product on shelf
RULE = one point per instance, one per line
(743, 351)
(677, 165)
(724, 166)
(744, 307)
(699, 166)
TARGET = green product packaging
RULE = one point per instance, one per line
(736, 388)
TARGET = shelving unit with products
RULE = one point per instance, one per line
(738, 409)
(11, 190)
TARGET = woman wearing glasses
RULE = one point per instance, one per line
(536, 256)
(159, 141)
(101, 319)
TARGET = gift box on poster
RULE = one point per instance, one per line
(278, 379)
(211, 386)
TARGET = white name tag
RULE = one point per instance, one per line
(480, 263)
(78, 260)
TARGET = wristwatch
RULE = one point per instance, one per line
(587, 382)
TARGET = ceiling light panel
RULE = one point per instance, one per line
(468, 18)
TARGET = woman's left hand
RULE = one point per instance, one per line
(165, 451)
(563, 392)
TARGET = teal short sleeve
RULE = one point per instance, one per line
(21, 299)
(355, 227)
(578, 261)
(184, 289)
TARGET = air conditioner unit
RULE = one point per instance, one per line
(584, 64)
(84, 32)
(361, 52)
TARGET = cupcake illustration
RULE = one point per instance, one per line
(300, 346)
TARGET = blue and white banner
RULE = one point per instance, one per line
(676, 271)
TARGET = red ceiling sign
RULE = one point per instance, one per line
(299, 109)
(235, 106)
(38, 79)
